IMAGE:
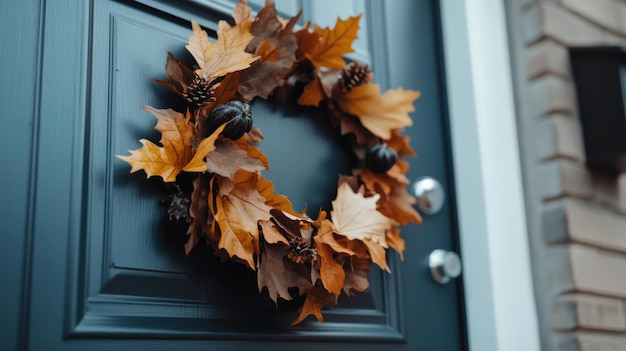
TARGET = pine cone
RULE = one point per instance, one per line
(300, 251)
(178, 209)
(200, 91)
(354, 75)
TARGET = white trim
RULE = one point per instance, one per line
(501, 309)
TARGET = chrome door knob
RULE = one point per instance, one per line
(444, 266)
(430, 195)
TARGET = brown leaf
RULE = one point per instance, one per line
(326, 47)
(401, 144)
(398, 205)
(378, 253)
(356, 274)
(224, 56)
(316, 299)
(356, 216)
(395, 241)
(278, 202)
(199, 212)
(272, 234)
(206, 146)
(276, 45)
(312, 94)
(238, 213)
(380, 114)
(270, 272)
(331, 272)
(242, 12)
(178, 75)
(227, 159)
(176, 155)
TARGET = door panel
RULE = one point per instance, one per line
(118, 275)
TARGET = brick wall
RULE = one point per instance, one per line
(577, 218)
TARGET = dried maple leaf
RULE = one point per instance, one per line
(312, 94)
(242, 12)
(331, 272)
(377, 253)
(227, 159)
(316, 299)
(326, 47)
(276, 201)
(176, 155)
(380, 114)
(276, 45)
(238, 213)
(224, 56)
(356, 216)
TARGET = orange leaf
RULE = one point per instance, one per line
(279, 202)
(238, 213)
(224, 56)
(315, 300)
(332, 44)
(356, 216)
(325, 235)
(206, 146)
(176, 154)
(331, 272)
(378, 254)
(395, 240)
(312, 94)
(380, 114)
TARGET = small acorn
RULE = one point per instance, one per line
(380, 158)
(238, 113)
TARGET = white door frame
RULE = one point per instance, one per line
(500, 305)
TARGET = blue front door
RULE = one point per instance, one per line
(108, 270)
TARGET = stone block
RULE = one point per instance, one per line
(574, 311)
(597, 271)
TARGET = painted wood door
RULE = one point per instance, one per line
(108, 270)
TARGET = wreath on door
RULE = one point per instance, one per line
(232, 207)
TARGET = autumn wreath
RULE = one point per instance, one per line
(232, 207)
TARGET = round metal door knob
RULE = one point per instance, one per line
(444, 266)
(430, 195)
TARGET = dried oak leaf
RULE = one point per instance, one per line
(238, 213)
(325, 47)
(224, 56)
(277, 46)
(276, 272)
(316, 299)
(380, 114)
(356, 216)
(176, 155)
